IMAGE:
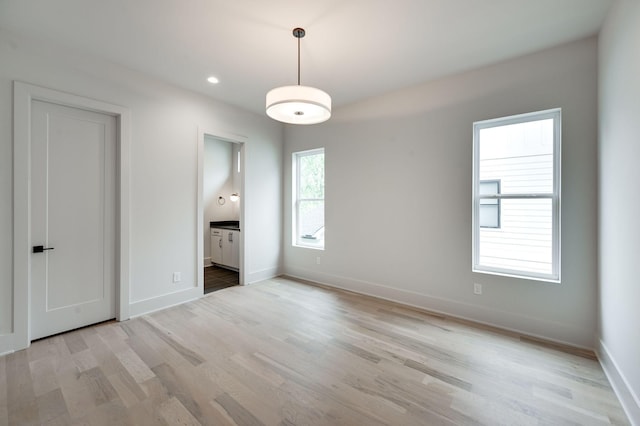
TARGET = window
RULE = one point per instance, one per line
(516, 195)
(489, 213)
(308, 198)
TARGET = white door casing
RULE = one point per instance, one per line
(24, 94)
(73, 158)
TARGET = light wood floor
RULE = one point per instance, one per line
(286, 353)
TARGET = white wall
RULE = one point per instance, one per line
(619, 202)
(398, 195)
(164, 164)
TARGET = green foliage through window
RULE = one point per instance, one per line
(312, 176)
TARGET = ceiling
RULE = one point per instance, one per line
(354, 49)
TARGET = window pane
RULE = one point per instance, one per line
(311, 176)
(489, 208)
(524, 241)
(311, 222)
(489, 215)
(490, 187)
(519, 155)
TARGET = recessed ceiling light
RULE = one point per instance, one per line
(213, 80)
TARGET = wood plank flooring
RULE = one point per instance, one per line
(286, 353)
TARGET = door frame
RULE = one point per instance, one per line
(238, 140)
(23, 95)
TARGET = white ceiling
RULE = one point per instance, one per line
(353, 49)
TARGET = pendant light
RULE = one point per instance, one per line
(298, 104)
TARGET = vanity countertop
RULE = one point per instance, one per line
(233, 225)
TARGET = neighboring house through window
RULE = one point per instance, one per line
(489, 212)
(516, 195)
(308, 198)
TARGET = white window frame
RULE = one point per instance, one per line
(297, 239)
(556, 115)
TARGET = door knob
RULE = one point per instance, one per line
(40, 249)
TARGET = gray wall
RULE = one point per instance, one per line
(619, 202)
(398, 195)
(164, 163)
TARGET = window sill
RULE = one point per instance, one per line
(517, 275)
(297, 245)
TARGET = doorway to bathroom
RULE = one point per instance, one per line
(221, 211)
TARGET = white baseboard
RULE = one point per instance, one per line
(206, 262)
(153, 304)
(628, 398)
(535, 327)
(261, 275)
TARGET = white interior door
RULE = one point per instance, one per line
(73, 176)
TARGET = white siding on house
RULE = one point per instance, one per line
(523, 242)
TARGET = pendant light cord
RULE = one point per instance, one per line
(298, 61)
(298, 33)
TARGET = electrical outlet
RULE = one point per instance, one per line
(176, 277)
(318, 260)
(477, 288)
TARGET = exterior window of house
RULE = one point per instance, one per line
(489, 210)
(308, 198)
(516, 195)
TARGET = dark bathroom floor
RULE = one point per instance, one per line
(217, 278)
